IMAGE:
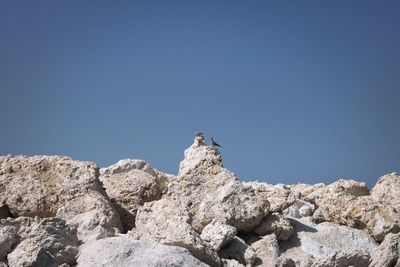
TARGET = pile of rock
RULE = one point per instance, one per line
(55, 211)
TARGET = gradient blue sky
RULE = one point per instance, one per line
(295, 91)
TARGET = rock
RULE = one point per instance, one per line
(49, 186)
(278, 196)
(347, 202)
(231, 263)
(331, 245)
(387, 190)
(299, 209)
(130, 183)
(267, 251)
(218, 235)
(275, 223)
(125, 252)
(9, 238)
(213, 192)
(388, 253)
(48, 242)
(92, 225)
(240, 251)
(167, 222)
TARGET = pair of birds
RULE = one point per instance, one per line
(213, 143)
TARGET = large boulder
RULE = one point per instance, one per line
(9, 238)
(214, 192)
(168, 222)
(218, 235)
(278, 196)
(47, 242)
(204, 192)
(49, 186)
(388, 253)
(125, 252)
(240, 251)
(130, 183)
(277, 224)
(347, 202)
(267, 251)
(330, 244)
(387, 190)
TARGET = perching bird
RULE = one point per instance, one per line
(198, 133)
(213, 143)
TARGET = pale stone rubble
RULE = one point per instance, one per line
(55, 211)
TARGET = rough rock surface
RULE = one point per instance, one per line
(164, 222)
(388, 253)
(52, 207)
(240, 251)
(213, 192)
(331, 245)
(125, 252)
(267, 251)
(48, 241)
(130, 183)
(279, 196)
(9, 238)
(347, 202)
(218, 235)
(48, 186)
(275, 223)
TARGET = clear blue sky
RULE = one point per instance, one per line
(294, 91)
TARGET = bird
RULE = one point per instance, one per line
(214, 143)
(198, 133)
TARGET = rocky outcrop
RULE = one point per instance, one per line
(328, 244)
(55, 211)
(388, 253)
(130, 184)
(125, 252)
(47, 242)
(52, 186)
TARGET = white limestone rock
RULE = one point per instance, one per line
(267, 251)
(125, 252)
(388, 253)
(240, 251)
(218, 235)
(49, 186)
(130, 183)
(47, 242)
(278, 196)
(331, 245)
(167, 222)
(9, 238)
(277, 224)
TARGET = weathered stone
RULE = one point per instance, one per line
(267, 251)
(387, 190)
(347, 202)
(130, 183)
(213, 192)
(231, 263)
(167, 222)
(218, 235)
(240, 251)
(331, 245)
(278, 196)
(48, 186)
(275, 223)
(388, 253)
(9, 238)
(125, 252)
(47, 242)
(299, 209)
